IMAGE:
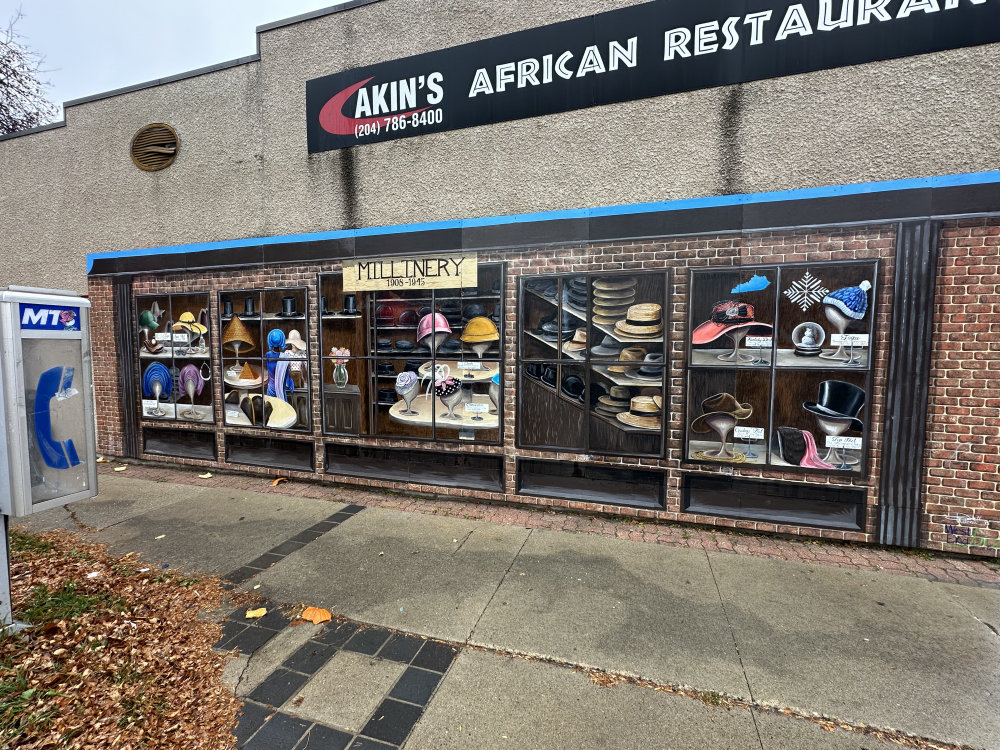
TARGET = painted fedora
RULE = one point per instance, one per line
(651, 368)
(645, 319)
(578, 343)
(549, 375)
(727, 316)
(851, 300)
(534, 370)
(609, 347)
(645, 412)
(628, 358)
(573, 387)
(720, 403)
(838, 400)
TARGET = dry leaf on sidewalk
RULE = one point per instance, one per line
(278, 481)
(206, 475)
(160, 536)
(103, 460)
(316, 616)
(120, 468)
(254, 614)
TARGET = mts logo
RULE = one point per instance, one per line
(40, 317)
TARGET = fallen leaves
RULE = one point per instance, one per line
(256, 614)
(206, 475)
(131, 667)
(278, 481)
(120, 468)
(316, 616)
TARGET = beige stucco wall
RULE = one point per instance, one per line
(244, 170)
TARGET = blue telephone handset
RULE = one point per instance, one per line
(56, 454)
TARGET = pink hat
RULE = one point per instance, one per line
(430, 324)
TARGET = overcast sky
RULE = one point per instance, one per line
(92, 46)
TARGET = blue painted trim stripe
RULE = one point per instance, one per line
(685, 204)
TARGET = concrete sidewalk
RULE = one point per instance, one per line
(552, 639)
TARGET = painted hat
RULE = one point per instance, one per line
(627, 359)
(838, 399)
(407, 318)
(641, 320)
(616, 399)
(288, 308)
(473, 310)
(276, 339)
(729, 316)
(384, 315)
(190, 373)
(187, 322)
(149, 319)
(451, 345)
(236, 333)
(248, 373)
(405, 381)
(430, 324)
(609, 347)
(573, 387)
(157, 373)
(534, 370)
(480, 329)
(645, 412)
(404, 345)
(851, 300)
(295, 340)
(383, 345)
(549, 375)
(578, 343)
(614, 283)
(651, 369)
(720, 403)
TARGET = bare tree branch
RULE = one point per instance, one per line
(22, 91)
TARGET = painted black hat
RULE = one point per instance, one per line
(549, 376)
(534, 371)
(839, 400)
(408, 318)
(288, 308)
(227, 309)
(385, 368)
(573, 387)
(387, 396)
(350, 305)
(404, 345)
(248, 307)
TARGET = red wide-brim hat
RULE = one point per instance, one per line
(710, 330)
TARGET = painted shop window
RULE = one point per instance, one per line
(175, 359)
(778, 366)
(422, 365)
(591, 362)
(265, 358)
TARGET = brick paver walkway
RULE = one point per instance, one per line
(919, 563)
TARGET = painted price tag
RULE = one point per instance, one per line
(477, 408)
(233, 414)
(149, 405)
(180, 338)
(748, 433)
(849, 339)
(758, 342)
(161, 336)
(839, 441)
(470, 365)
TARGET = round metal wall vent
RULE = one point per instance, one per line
(154, 147)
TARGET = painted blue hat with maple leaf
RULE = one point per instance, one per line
(851, 300)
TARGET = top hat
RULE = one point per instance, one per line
(579, 342)
(407, 318)
(627, 359)
(641, 320)
(227, 308)
(729, 316)
(431, 323)
(645, 412)
(480, 329)
(851, 300)
(609, 347)
(248, 307)
(838, 399)
(295, 340)
(288, 308)
(350, 305)
(720, 403)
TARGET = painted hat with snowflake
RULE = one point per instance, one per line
(851, 300)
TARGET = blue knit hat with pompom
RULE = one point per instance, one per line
(851, 300)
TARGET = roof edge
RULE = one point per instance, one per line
(340, 8)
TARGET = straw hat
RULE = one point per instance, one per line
(187, 322)
(295, 340)
(236, 333)
(645, 412)
(628, 356)
(616, 400)
(248, 373)
(579, 342)
(614, 283)
(641, 320)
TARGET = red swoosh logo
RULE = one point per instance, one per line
(333, 120)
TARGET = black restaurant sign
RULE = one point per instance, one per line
(657, 48)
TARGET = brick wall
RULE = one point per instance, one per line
(846, 244)
(106, 363)
(962, 456)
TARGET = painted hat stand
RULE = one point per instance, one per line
(836, 426)
(736, 337)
